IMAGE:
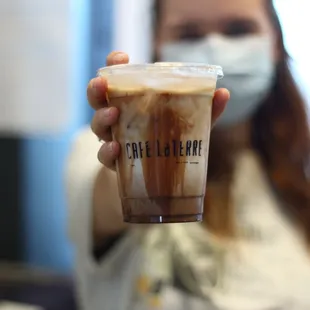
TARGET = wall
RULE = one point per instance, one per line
(133, 29)
(43, 158)
(294, 16)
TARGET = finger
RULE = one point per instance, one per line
(108, 153)
(96, 92)
(117, 58)
(102, 120)
(220, 100)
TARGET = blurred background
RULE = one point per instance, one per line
(48, 51)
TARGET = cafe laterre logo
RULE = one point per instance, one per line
(174, 148)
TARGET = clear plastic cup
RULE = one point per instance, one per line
(164, 131)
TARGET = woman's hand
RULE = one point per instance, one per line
(105, 117)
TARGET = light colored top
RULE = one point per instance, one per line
(266, 268)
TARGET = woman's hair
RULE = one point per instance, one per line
(280, 135)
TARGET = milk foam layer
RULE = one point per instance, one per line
(134, 85)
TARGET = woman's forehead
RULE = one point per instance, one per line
(178, 11)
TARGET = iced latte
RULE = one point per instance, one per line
(164, 130)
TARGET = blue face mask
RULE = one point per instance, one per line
(248, 67)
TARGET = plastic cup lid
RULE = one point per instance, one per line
(177, 68)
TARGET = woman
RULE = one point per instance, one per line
(251, 252)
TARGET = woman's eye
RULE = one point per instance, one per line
(190, 33)
(239, 28)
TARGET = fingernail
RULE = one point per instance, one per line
(95, 84)
(111, 147)
(227, 92)
(107, 112)
(120, 57)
